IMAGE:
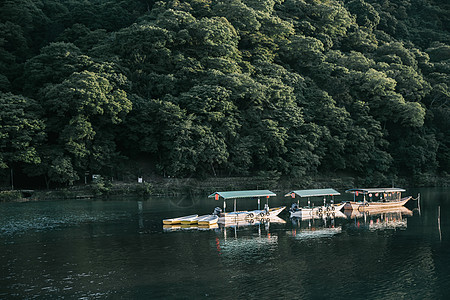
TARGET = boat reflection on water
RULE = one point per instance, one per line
(317, 226)
(235, 225)
(249, 225)
(247, 238)
(177, 227)
(382, 219)
(309, 227)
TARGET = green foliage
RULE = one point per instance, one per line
(21, 130)
(230, 87)
(6, 196)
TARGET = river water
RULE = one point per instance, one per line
(92, 249)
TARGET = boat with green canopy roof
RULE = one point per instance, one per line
(320, 210)
(237, 215)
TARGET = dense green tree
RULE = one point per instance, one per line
(21, 132)
(56, 62)
(230, 87)
(83, 108)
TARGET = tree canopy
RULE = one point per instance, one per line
(224, 88)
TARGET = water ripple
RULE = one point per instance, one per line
(52, 217)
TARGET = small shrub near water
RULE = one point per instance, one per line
(101, 186)
(10, 196)
(144, 189)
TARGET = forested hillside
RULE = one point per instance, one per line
(224, 88)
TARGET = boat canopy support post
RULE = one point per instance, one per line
(234, 204)
(224, 205)
(259, 203)
(418, 203)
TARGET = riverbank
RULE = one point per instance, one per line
(203, 187)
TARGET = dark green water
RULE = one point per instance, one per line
(119, 249)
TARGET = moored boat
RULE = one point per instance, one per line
(207, 220)
(376, 198)
(353, 214)
(325, 209)
(190, 220)
(245, 215)
(178, 220)
(251, 222)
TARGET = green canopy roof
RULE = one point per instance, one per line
(314, 193)
(375, 190)
(243, 194)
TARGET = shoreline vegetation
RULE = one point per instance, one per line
(172, 187)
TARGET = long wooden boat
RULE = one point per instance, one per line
(246, 214)
(190, 221)
(326, 209)
(250, 214)
(376, 205)
(251, 222)
(207, 220)
(177, 227)
(178, 220)
(376, 198)
(200, 220)
(304, 215)
(318, 211)
(401, 210)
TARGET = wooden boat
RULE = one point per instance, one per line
(178, 220)
(354, 214)
(325, 209)
(207, 220)
(316, 216)
(245, 215)
(376, 198)
(189, 220)
(250, 216)
(178, 227)
(251, 222)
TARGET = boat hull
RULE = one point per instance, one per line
(179, 220)
(317, 211)
(251, 222)
(351, 205)
(253, 214)
(207, 220)
(192, 221)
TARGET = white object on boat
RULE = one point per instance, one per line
(178, 220)
(207, 220)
